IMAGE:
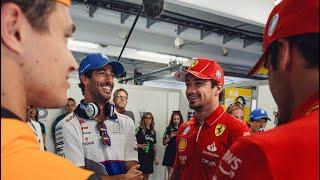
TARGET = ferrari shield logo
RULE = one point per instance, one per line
(219, 129)
(194, 63)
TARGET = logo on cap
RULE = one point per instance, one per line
(218, 74)
(194, 63)
(273, 24)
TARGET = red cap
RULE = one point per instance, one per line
(289, 18)
(202, 68)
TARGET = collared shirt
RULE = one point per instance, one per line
(79, 139)
(20, 152)
(290, 151)
(200, 146)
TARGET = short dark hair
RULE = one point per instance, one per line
(36, 11)
(88, 75)
(118, 90)
(71, 99)
(307, 44)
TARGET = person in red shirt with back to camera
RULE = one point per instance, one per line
(291, 56)
(204, 139)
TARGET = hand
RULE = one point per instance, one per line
(143, 146)
(173, 134)
(156, 160)
(133, 173)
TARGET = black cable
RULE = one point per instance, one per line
(132, 27)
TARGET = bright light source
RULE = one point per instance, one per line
(75, 43)
(276, 2)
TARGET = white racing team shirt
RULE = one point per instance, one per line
(78, 138)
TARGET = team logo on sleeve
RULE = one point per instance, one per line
(186, 130)
(182, 144)
(219, 129)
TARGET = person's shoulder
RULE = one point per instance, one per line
(68, 120)
(125, 119)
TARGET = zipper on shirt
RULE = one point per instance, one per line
(199, 131)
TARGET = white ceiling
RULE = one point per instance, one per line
(105, 28)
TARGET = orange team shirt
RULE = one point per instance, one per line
(21, 157)
(200, 147)
(290, 151)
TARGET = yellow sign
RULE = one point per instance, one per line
(219, 129)
(182, 144)
(231, 95)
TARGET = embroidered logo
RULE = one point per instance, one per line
(212, 147)
(186, 130)
(182, 144)
(219, 129)
(273, 24)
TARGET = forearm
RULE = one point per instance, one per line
(165, 141)
(130, 164)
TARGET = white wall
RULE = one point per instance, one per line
(160, 101)
(266, 102)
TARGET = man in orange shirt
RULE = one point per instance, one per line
(291, 56)
(35, 63)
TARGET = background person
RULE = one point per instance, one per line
(146, 139)
(120, 99)
(69, 107)
(37, 127)
(258, 120)
(169, 140)
(236, 110)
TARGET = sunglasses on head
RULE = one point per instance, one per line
(105, 138)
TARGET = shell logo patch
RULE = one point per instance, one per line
(182, 144)
(219, 129)
(194, 63)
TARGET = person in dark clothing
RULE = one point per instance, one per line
(146, 140)
(169, 139)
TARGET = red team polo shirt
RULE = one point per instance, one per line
(290, 151)
(201, 146)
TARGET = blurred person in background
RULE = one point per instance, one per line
(169, 140)
(37, 127)
(120, 99)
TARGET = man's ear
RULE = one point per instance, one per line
(219, 89)
(284, 55)
(12, 20)
(84, 80)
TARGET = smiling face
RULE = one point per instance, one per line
(99, 87)
(121, 99)
(200, 93)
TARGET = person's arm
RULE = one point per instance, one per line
(132, 174)
(131, 153)
(69, 143)
(166, 137)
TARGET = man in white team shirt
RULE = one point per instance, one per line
(95, 132)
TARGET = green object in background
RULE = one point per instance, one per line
(146, 150)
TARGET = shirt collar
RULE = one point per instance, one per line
(213, 117)
(6, 113)
(311, 104)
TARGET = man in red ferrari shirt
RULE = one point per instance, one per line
(204, 139)
(291, 56)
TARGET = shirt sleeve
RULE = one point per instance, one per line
(244, 160)
(239, 130)
(131, 153)
(69, 144)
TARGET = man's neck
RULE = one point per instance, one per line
(120, 110)
(308, 85)
(203, 113)
(13, 92)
